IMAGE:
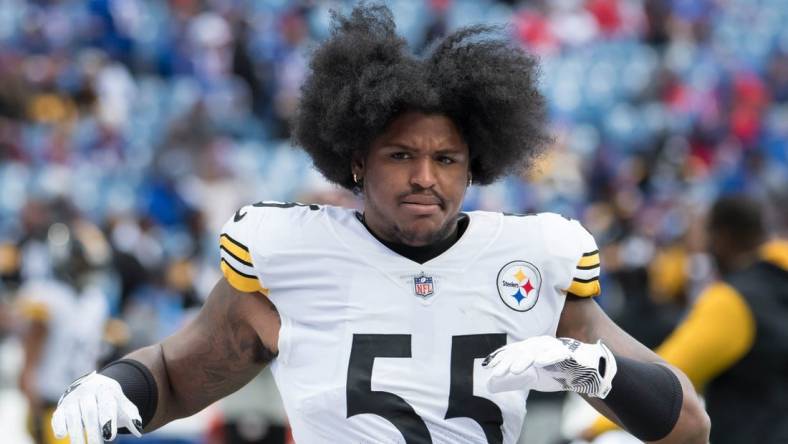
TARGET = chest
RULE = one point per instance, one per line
(513, 297)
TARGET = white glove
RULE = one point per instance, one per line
(96, 404)
(548, 364)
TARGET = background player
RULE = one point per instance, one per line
(58, 345)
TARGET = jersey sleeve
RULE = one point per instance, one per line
(574, 254)
(33, 310)
(585, 276)
(719, 331)
(236, 248)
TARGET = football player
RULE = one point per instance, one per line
(410, 321)
(58, 345)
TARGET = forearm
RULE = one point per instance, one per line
(33, 343)
(198, 382)
(693, 424)
(655, 403)
(588, 323)
(181, 397)
(169, 405)
(211, 357)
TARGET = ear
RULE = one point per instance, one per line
(357, 164)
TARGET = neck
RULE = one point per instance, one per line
(391, 233)
(423, 253)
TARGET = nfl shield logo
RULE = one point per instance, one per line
(422, 285)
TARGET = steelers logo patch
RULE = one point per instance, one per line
(518, 285)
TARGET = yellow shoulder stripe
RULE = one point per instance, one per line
(584, 287)
(589, 260)
(240, 281)
(237, 249)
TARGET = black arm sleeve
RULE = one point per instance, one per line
(138, 385)
(646, 397)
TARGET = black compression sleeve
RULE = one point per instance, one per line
(646, 397)
(137, 383)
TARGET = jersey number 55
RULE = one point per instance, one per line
(462, 403)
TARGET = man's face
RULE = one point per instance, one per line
(414, 179)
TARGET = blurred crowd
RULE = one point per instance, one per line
(130, 131)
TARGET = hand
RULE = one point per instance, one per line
(96, 404)
(548, 364)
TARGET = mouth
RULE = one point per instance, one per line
(422, 204)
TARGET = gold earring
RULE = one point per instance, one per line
(355, 178)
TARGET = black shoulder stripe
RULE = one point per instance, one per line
(585, 281)
(240, 273)
(240, 245)
(248, 264)
(588, 267)
(590, 253)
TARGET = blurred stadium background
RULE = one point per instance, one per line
(131, 130)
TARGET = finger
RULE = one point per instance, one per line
(551, 356)
(132, 414)
(509, 382)
(108, 414)
(521, 364)
(529, 377)
(506, 383)
(74, 424)
(498, 356)
(502, 367)
(59, 423)
(90, 421)
(491, 357)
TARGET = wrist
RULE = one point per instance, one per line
(592, 367)
(138, 385)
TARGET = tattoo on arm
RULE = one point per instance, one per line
(231, 340)
(227, 353)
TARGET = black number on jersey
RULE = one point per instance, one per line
(361, 398)
(462, 403)
(312, 207)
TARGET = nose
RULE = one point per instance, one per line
(423, 173)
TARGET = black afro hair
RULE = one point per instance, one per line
(363, 76)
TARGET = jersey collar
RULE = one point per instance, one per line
(483, 228)
(427, 252)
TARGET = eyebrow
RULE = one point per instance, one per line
(450, 150)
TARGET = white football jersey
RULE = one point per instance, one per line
(377, 348)
(75, 327)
